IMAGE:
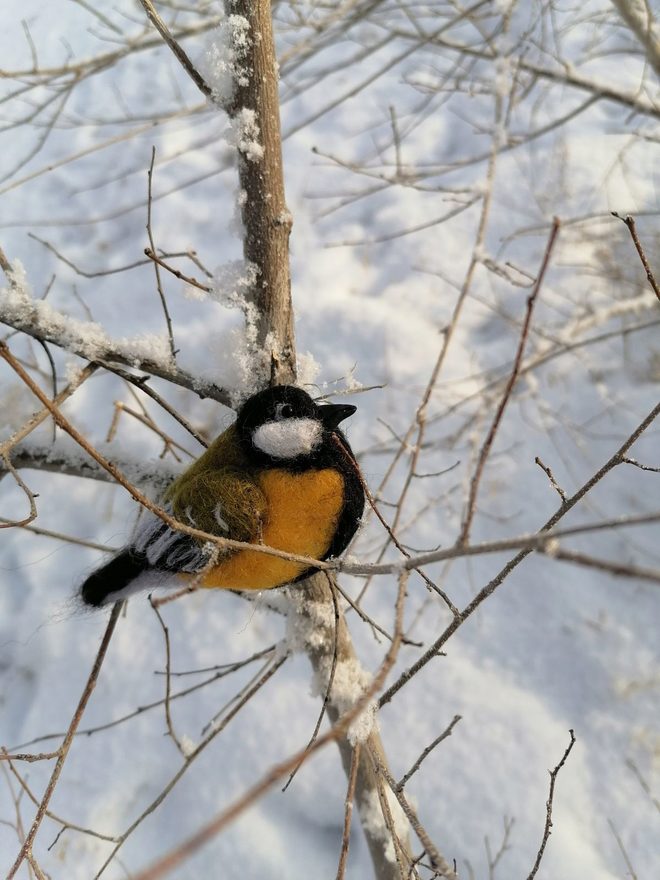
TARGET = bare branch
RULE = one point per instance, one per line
(493, 584)
(438, 862)
(176, 48)
(629, 220)
(618, 569)
(348, 811)
(555, 485)
(74, 337)
(497, 418)
(548, 817)
(26, 849)
(427, 751)
(152, 243)
(168, 680)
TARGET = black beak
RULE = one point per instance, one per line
(333, 413)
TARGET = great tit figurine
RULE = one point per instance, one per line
(282, 475)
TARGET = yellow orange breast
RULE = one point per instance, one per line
(303, 512)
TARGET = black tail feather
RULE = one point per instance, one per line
(112, 577)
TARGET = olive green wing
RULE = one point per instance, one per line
(222, 501)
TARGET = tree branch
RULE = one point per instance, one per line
(265, 216)
(639, 18)
(26, 849)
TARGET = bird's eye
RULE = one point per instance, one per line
(283, 411)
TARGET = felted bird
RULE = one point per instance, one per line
(282, 475)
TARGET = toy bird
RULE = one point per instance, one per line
(282, 475)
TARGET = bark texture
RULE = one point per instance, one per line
(266, 218)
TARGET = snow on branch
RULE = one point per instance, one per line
(88, 340)
(65, 457)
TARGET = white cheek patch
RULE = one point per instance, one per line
(288, 438)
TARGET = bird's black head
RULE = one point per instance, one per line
(284, 426)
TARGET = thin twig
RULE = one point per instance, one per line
(66, 825)
(372, 503)
(642, 467)
(222, 673)
(646, 788)
(270, 671)
(222, 667)
(169, 444)
(619, 569)
(226, 711)
(43, 756)
(486, 591)
(348, 811)
(555, 485)
(39, 417)
(623, 850)
(548, 815)
(159, 261)
(176, 48)
(506, 395)
(168, 681)
(427, 751)
(438, 861)
(400, 855)
(163, 302)
(142, 384)
(493, 860)
(363, 614)
(66, 745)
(629, 220)
(31, 497)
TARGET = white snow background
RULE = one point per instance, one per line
(556, 646)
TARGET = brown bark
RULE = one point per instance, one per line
(267, 225)
(266, 218)
(317, 590)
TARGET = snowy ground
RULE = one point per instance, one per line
(556, 647)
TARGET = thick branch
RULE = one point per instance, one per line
(317, 595)
(266, 218)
